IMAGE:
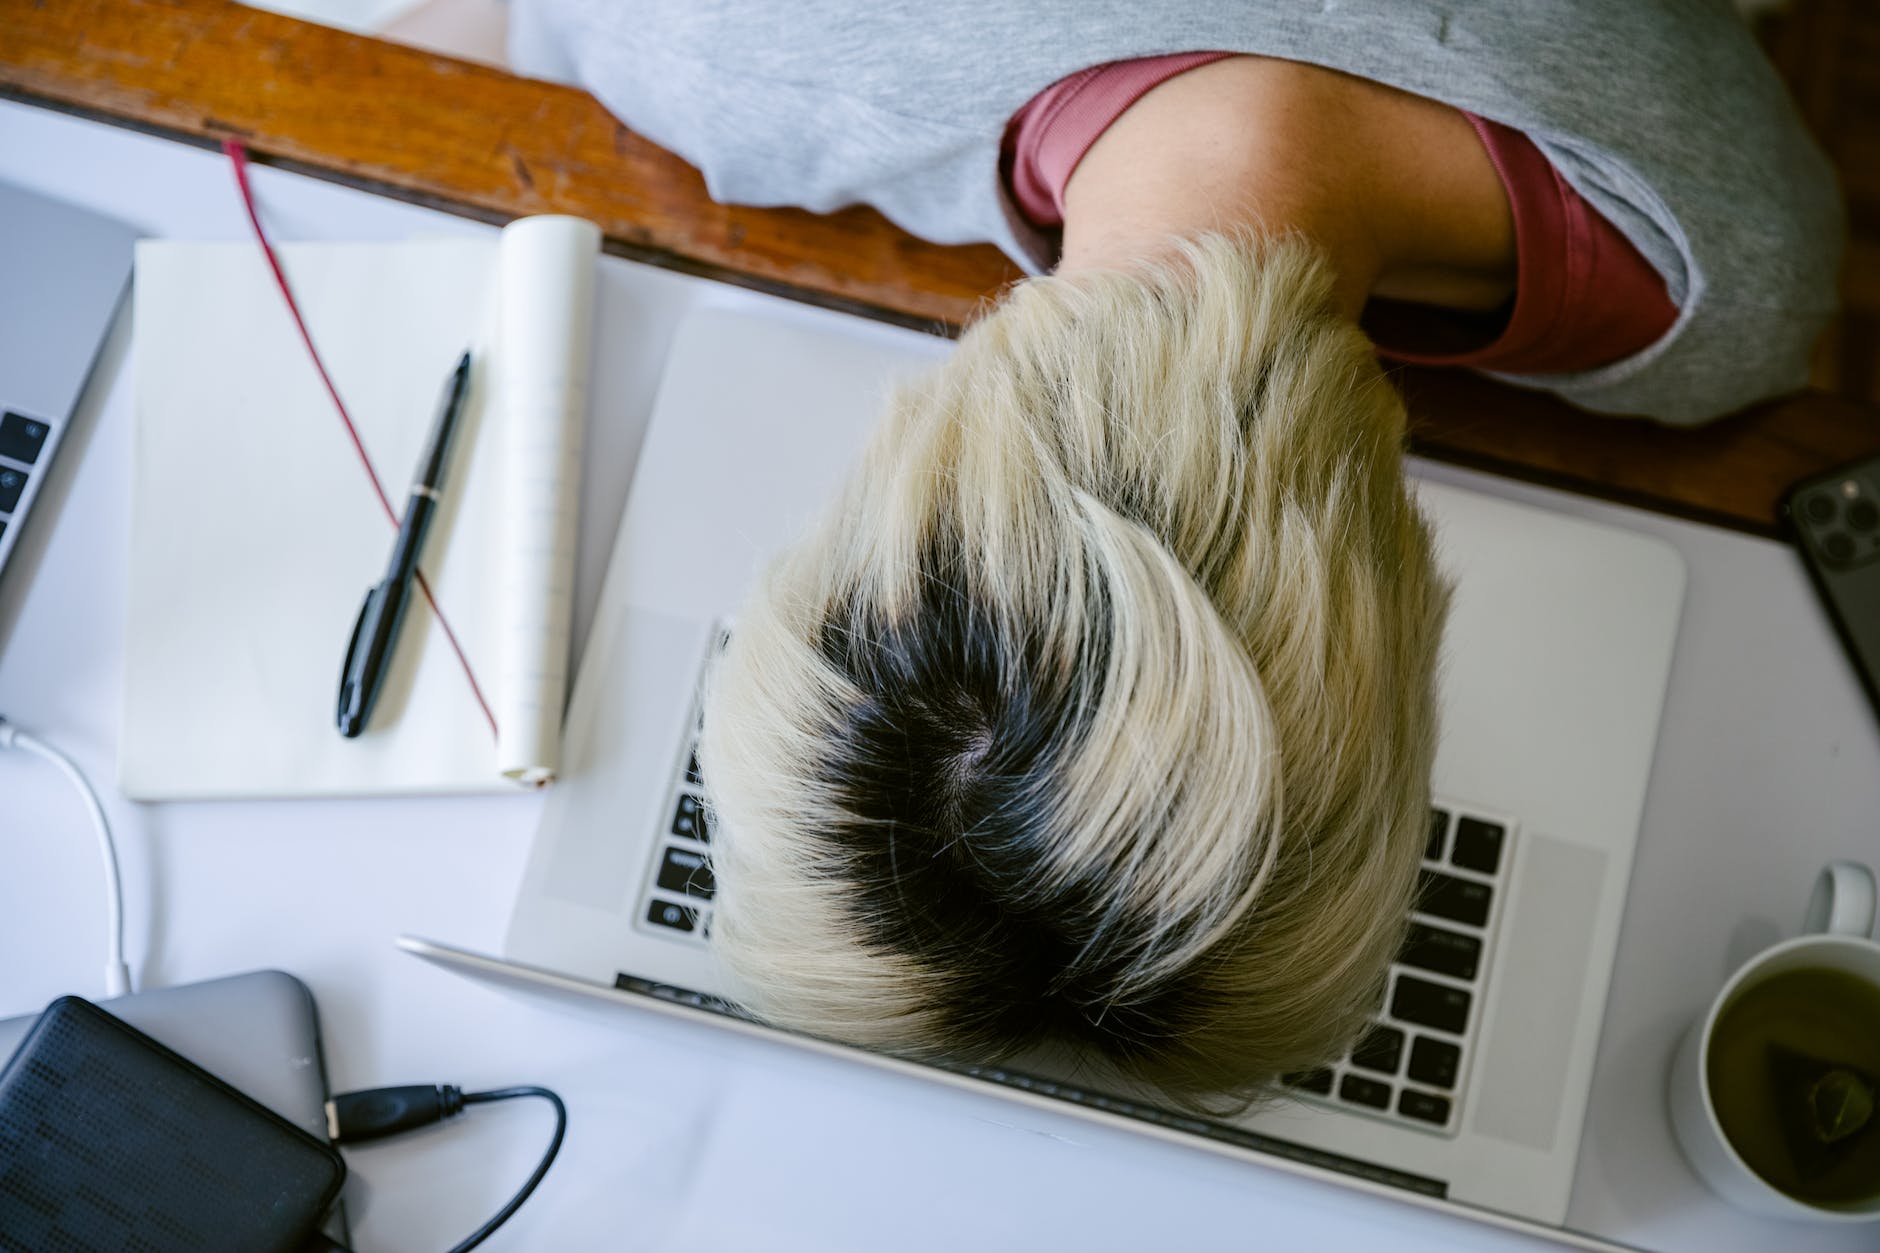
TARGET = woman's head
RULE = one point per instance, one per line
(1099, 711)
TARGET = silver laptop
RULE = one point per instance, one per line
(62, 272)
(1471, 1086)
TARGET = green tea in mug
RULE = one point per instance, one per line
(1794, 1075)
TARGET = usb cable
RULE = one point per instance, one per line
(117, 975)
(374, 1113)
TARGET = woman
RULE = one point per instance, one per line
(1099, 713)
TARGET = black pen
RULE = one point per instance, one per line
(375, 634)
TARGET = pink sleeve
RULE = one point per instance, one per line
(1584, 296)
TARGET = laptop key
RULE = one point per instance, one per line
(22, 437)
(1446, 952)
(1459, 900)
(677, 917)
(1381, 1050)
(688, 818)
(1319, 1081)
(692, 774)
(1361, 1091)
(1423, 1106)
(1434, 1062)
(686, 872)
(12, 485)
(1430, 1004)
(1439, 823)
(1478, 845)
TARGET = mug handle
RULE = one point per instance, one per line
(1843, 901)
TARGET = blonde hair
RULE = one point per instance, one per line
(1099, 711)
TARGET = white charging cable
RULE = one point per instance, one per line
(117, 975)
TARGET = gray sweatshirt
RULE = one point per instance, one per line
(1663, 114)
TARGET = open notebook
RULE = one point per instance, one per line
(255, 532)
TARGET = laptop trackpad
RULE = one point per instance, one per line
(1543, 964)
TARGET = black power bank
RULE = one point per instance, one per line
(108, 1140)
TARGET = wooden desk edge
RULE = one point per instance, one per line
(495, 146)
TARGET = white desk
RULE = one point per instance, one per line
(683, 1138)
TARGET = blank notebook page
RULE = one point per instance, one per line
(255, 532)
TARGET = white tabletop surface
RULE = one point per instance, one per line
(684, 1138)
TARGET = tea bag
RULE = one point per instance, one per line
(1826, 1109)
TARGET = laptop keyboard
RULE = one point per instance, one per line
(22, 439)
(1409, 1067)
(680, 887)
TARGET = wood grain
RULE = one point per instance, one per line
(490, 145)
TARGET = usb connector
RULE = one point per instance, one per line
(355, 1117)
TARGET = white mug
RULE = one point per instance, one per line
(1836, 930)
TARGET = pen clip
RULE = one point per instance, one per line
(346, 715)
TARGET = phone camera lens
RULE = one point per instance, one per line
(1838, 545)
(1862, 515)
(1819, 508)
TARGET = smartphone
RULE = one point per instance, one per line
(1835, 521)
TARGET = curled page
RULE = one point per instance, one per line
(544, 328)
